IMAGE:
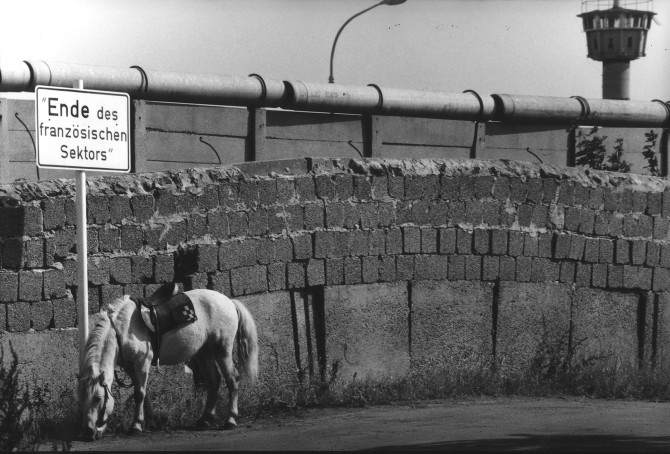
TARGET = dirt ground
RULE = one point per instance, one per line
(476, 425)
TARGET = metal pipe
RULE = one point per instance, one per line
(580, 111)
(416, 103)
(257, 91)
(331, 97)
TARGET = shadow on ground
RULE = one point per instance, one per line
(544, 443)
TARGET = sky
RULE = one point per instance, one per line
(533, 47)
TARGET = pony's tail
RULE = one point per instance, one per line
(247, 342)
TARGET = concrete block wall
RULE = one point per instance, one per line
(366, 266)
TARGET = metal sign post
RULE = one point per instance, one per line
(81, 130)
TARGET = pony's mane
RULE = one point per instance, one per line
(96, 343)
(99, 337)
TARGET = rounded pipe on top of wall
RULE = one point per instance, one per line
(330, 97)
(579, 111)
(256, 91)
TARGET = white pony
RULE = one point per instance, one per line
(121, 337)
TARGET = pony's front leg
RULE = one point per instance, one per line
(140, 395)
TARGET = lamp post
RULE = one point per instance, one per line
(331, 79)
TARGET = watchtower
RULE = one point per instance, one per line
(616, 33)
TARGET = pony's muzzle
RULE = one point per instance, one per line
(89, 433)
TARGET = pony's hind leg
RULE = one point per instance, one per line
(231, 376)
(213, 382)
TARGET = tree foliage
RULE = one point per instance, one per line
(591, 152)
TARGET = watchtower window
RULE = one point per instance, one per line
(629, 43)
(636, 22)
(616, 22)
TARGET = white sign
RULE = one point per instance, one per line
(82, 129)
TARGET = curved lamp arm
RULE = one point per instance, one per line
(331, 79)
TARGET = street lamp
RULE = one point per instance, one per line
(331, 79)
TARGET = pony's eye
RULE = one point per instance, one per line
(96, 399)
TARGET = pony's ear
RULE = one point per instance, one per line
(101, 379)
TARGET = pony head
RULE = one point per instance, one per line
(96, 405)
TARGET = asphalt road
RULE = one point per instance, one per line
(475, 425)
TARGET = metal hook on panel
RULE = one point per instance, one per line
(380, 103)
(264, 88)
(145, 79)
(586, 109)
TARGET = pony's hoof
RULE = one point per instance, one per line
(134, 431)
(205, 423)
(229, 426)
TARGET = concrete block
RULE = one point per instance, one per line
(53, 212)
(615, 276)
(567, 273)
(507, 268)
(18, 317)
(396, 187)
(370, 269)
(622, 252)
(352, 270)
(377, 242)
(456, 269)
(386, 214)
(455, 212)
(473, 267)
(491, 213)
(661, 279)
(31, 285)
(362, 187)
(606, 251)
(616, 225)
(523, 268)
(258, 221)
(238, 223)
(366, 330)
(9, 286)
(249, 279)
(334, 212)
(535, 190)
(599, 275)
(302, 246)
(605, 324)
(357, 242)
(369, 215)
(316, 272)
(431, 267)
(490, 268)
(41, 315)
(295, 275)
(411, 240)
(592, 250)
(638, 252)
(524, 214)
(428, 241)
(387, 269)
(530, 246)
(531, 318)
(474, 212)
(221, 282)
(661, 228)
(405, 267)
(164, 268)
(34, 253)
(549, 190)
(447, 241)
(482, 241)
(577, 244)
(334, 271)
(132, 237)
(32, 221)
(314, 216)
(501, 189)
(464, 241)
(276, 277)
(54, 283)
(217, 225)
(583, 275)
(518, 190)
(515, 244)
